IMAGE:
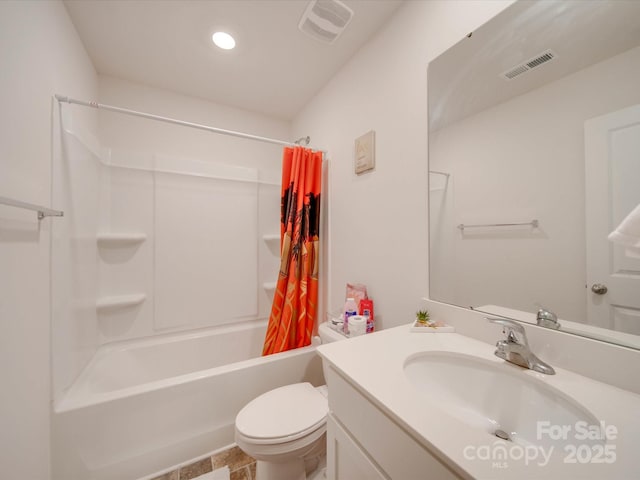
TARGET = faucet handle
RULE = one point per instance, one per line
(513, 330)
(508, 324)
(545, 314)
(546, 318)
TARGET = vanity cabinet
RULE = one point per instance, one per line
(364, 443)
(346, 459)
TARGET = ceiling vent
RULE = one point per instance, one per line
(325, 20)
(530, 64)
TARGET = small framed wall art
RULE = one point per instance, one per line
(365, 158)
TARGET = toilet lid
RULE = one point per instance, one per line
(283, 412)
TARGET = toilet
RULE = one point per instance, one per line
(285, 429)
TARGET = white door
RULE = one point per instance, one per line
(612, 184)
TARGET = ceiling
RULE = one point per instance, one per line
(275, 69)
(467, 78)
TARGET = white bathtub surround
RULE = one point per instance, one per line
(125, 239)
(162, 251)
(417, 429)
(144, 405)
(136, 192)
(79, 180)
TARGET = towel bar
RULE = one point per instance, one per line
(534, 223)
(42, 211)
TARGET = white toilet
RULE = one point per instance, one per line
(285, 428)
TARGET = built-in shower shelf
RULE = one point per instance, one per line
(120, 239)
(271, 238)
(120, 301)
(269, 286)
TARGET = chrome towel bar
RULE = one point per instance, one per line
(533, 223)
(42, 211)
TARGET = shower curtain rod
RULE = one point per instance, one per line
(63, 98)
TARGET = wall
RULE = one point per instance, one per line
(378, 221)
(41, 55)
(504, 170)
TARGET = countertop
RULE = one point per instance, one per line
(374, 364)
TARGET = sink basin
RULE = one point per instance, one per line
(499, 398)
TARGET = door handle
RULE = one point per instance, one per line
(599, 288)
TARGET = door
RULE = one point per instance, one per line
(345, 459)
(612, 188)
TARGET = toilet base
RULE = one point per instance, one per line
(293, 470)
(320, 471)
(299, 469)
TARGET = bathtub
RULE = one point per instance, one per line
(143, 406)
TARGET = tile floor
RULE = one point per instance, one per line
(241, 466)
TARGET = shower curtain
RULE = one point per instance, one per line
(295, 300)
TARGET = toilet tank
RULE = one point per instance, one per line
(328, 335)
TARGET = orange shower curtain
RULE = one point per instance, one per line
(295, 301)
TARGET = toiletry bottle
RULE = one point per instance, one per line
(366, 310)
(350, 309)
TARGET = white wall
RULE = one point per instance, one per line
(509, 171)
(41, 55)
(378, 221)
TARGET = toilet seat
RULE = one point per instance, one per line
(284, 415)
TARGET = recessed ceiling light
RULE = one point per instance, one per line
(223, 40)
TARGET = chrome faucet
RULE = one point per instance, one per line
(546, 318)
(515, 349)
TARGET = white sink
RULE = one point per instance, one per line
(497, 397)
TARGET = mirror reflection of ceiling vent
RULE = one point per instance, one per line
(530, 64)
(325, 20)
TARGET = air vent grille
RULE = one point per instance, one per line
(545, 57)
(325, 20)
(516, 71)
(530, 64)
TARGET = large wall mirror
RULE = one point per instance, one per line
(534, 158)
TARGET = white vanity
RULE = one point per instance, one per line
(408, 406)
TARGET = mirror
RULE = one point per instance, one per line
(534, 158)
